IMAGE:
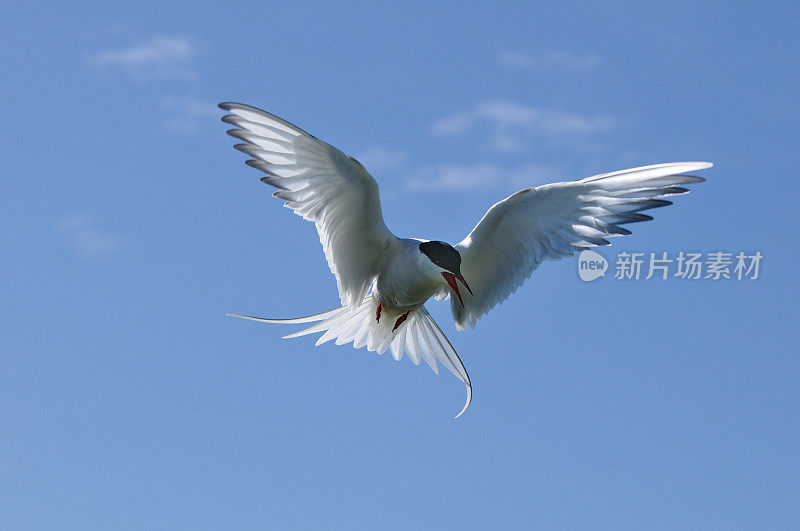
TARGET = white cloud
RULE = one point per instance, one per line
(453, 125)
(185, 114)
(157, 58)
(378, 158)
(455, 177)
(509, 125)
(507, 115)
(80, 233)
(507, 143)
(480, 176)
(563, 60)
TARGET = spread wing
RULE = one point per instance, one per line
(323, 185)
(551, 222)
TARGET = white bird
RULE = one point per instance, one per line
(384, 281)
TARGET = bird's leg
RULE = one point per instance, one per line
(378, 314)
(399, 321)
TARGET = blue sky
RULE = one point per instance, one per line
(130, 227)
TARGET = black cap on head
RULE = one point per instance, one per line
(443, 255)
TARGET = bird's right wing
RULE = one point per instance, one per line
(323, 185)
(551, 222)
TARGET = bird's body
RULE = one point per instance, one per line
(384, 281)
(407, 278)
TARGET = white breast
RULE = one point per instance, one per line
(409, 278)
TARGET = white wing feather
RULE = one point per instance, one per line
(551, 222)
(323, 185)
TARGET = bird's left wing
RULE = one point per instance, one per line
(551, 222)
(323, 185)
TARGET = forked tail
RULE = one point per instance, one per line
(417, 335)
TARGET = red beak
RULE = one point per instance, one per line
(451, 280)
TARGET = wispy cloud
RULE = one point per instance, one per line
(562, 60)
(157, 58)
(379, 158)
(461, 177)
(186, 114)
(80, 233)
(455, 124)
(480, 176)
(509, 125)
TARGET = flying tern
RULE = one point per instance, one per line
(384, 281)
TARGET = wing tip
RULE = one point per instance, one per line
(233, 107)
(695, 165)
(691, 179)
(230, 105)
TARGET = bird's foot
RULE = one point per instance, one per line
(378, 314)
(400, 321)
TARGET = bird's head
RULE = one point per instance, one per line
(448, 263)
